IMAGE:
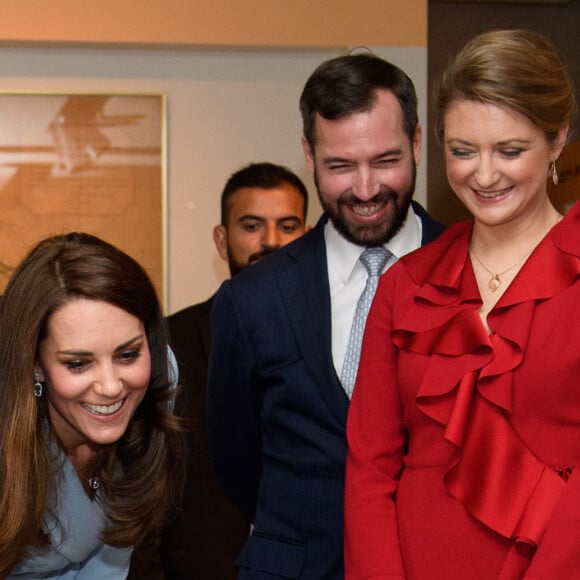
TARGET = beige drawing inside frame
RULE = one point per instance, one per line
(84, 162)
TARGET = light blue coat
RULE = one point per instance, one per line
(76, 551)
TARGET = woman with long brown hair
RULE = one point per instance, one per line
(90, 453)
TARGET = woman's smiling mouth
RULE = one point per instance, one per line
(492, 194)
(103, 409)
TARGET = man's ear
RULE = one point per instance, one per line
(220, 239)
(308, 153)
(418, 144)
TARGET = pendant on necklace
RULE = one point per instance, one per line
(494, 282)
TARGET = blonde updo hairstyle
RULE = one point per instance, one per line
(516, 69)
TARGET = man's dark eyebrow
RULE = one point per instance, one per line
(285, 218)
(250, 216)
(335, 160)
(288, 218)
(387, 153)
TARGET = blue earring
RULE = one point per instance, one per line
(37, 385)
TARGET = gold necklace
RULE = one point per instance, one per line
(495, 280)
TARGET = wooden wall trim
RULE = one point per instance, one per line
(294, 23)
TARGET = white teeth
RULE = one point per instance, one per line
(366, 210)
(491, 194)
(103, 409)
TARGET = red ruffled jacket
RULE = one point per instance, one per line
(462, 445)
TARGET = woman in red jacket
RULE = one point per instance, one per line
(464, 428)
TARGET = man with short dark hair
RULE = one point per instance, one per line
(263, 207)
(283, 356)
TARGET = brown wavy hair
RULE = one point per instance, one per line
(518, 69)
(141, 474)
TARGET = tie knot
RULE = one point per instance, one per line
(374, 259)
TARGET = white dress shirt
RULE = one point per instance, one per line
(347, 276)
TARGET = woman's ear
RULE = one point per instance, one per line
(38, 373)
(560, 142)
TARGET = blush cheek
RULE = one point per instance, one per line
(63, 386)
(450, 171)
(456, 178)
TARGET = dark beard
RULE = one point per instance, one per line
(236, 267)
(375, 235)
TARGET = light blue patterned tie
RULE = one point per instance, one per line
(374, 260)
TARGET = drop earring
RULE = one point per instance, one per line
(37, 385)
(553, 173)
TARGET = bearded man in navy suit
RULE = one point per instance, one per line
(276, 406)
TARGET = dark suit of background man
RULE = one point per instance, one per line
(263, 207)
(276, 406)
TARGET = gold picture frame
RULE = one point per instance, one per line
(84, 162)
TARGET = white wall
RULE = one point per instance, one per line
(226, 108)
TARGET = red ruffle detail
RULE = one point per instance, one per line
(498, 479)
(467, 386)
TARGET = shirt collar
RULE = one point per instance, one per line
(343, 255)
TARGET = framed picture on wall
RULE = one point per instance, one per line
(84, 162)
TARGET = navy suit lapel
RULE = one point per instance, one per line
(431, 228)
(305, 291)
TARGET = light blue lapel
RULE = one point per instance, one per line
(80, 519)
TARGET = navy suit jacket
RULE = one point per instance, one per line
(277, 410)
